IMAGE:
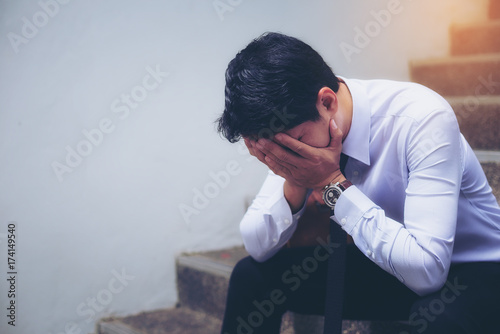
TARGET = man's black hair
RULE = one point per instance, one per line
(272, 86)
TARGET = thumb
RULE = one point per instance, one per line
(335, 135)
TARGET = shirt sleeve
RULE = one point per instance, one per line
(269, 223)
(417, 250)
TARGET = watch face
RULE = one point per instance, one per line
(331, 195)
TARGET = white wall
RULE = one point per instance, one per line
(100, 239)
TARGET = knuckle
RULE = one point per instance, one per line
(315, 159)
(283, 156)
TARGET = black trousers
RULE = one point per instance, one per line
(295, 280)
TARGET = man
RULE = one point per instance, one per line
(423, 219)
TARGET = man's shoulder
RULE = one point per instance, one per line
(384, 89)
(401, 98)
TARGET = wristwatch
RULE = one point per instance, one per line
(332, 192)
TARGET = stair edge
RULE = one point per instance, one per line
(205, 264)
(479, 24)
(485, 156)
(456, 59)
(115, 327)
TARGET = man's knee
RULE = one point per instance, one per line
(432, 315)
(245, 273)
(440, 312)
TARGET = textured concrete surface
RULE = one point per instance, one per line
(475, 38)
(459, 75)
(479, 120)
(202, 289)
(492, 171)
(173, 321)
(202, 279)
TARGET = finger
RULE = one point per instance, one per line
(296, 146)
(260, 155)
(277, 167)
(335, 135)
(248, 143)
(254, 151)
(278, 153)
(250, 146)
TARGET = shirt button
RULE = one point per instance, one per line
(368, 253)
(275, 240)
(287, 221)
(343, 221)
(355, 173)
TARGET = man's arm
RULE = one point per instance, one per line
(418, 249)
(272, 218)
(294, 194)
(268, 223)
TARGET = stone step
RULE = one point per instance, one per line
(177, 320)
(475, 39)
(479, 119)
(492, 171)
(459, 75)
(494, 9)
(202, 279)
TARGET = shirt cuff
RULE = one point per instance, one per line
(285, 221)
(351, 207)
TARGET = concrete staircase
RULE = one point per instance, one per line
(202, 281)
(469, 79)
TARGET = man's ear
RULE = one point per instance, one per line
(327, 100)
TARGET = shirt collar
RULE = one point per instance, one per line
(357, 143)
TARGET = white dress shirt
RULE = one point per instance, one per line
(420, 199)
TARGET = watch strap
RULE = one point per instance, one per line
(345, 184)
